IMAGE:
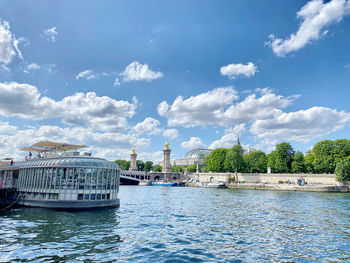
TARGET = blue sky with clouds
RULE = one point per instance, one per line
(121, 74)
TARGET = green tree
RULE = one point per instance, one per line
(328, 153)
(284, 157)
(309, 162)
(298, 164)
(191, 168)
(124, 165)
(148, 166)
(342, 170)
(140, 165)
(255, 162)
(271, 161)
(176, 169)
(234, 159)
(341, 149)
(215, 160)
(323, 157)
(157, 168)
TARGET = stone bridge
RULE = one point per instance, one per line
(134, 177)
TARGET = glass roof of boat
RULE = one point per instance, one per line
(68, 162)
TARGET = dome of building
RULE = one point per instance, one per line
(197, 154)
(193, 157)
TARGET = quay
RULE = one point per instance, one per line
(281, 182)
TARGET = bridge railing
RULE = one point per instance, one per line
(138, 175)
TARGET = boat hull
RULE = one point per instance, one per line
(165, 184)
(70, 205)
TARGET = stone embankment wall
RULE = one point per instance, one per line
(321, 179)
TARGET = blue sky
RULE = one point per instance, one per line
(121, 74)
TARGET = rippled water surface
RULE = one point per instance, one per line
(163, 224)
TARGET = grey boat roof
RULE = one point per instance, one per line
(79, 161)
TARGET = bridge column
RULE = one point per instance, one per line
(133, 156)
(166, 159)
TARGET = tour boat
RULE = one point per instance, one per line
(64, 180)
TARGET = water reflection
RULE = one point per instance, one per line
(186, 224)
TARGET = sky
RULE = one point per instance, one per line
(117, 75)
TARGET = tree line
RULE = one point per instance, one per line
(325, 157)
(148, 166)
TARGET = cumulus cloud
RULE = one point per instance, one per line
(155, 157)
(230, 137)
(170, 133)
(136, 71)
(303, 125)
(150, 126)
(86, 74)
(105, 145)
(33, 66)
(50, 34)
(217, 107)
(233, 71)
(193, 143)
(89, 110)
(8, 44)
(263, 111)
(315, 16)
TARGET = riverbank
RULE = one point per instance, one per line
(286, 187)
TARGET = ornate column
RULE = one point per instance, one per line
(166, 159)
(133, 156)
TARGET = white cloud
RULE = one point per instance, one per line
(33, 66)
(262, 112)
(170, 133)
(6, 128)
(233, 71)
(230, 137)
(16, 42)
(116, 82)
(105, 145)
(136, 71)
(217, 107)
(88, 110)
(5, 68)
(303, 125)
(315, 16)
(50, 34)
(86, 74)
(155, 157)
(193, 143)
(150, 126)
(8, 44)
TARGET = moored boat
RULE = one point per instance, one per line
(65, 180)
(162, 183)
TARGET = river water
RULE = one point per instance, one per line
(182, 224)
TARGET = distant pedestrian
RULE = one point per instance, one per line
(30, 155)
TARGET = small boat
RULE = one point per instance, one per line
(214, 185)
(161, 183)
(145, 183)
(181, 184)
